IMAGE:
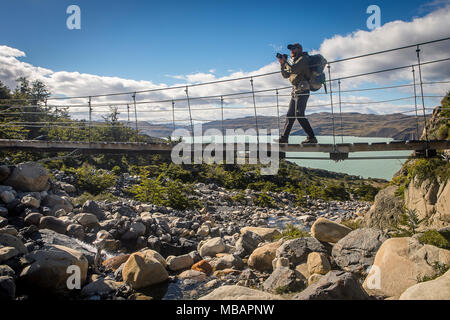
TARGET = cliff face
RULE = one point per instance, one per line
(420, 185)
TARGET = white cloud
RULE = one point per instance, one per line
(393, 34)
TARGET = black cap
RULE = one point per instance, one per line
(294, 45)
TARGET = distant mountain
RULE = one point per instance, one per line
(397, 126)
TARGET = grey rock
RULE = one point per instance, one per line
(52, 223)
(7, 196)
(90, 206)
(297, 250)
(49, 237)
(33, 218)
(285, 280)
(75, 231)
(7, 288)
(335, 285)
(8, 240)
(229, 261)
(247, 243)
(4, 172)
(356, 251)
(29, 176)
(6, 271)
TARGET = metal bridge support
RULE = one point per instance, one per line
(338, 156)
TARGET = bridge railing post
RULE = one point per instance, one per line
(223, 129)
(135, 116)
(421, 93)
(90, 118)
(278, 112)
(173, 115)
(331, 103)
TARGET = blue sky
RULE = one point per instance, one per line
(148, 40)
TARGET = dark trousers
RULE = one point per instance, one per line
(296, 110)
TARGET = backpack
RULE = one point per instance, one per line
(317, 64)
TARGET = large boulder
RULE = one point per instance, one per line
(48, 271)
(143, 269)
(356, 251)
(262, 257)
(212, 247)
(400, 263)
(247, 243)
(386, 209)
(4, 172)
(267, 234)
(329, 231)
(430, 200)
(29, 176)
(90, 206)
(437, 289)
(52, 223)
(318, 263)
(335, 285)
(235, 292)
(184, 261)
(86, 219)
(297, 250)
(55, 203)
(7, 253)
(100, 287)
(284, 280)
(8, 240)
(7, 288)
(50, 238)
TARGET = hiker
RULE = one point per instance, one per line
(299, 74)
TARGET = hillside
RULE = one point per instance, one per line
(396, 126)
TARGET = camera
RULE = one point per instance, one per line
(281, 56)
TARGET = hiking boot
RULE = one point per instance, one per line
(282, 140)
(310, 140)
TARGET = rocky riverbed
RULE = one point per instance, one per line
(126, 249)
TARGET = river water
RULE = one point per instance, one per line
(377, 168)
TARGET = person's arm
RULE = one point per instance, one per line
(285, 70)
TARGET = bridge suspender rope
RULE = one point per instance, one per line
(254, 107)
(190, 114)
(340, 111)
(423, 101)
(415, 103)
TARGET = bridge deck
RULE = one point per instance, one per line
(154, 148)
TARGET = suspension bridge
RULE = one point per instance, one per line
(139, 104)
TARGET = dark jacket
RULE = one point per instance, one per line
(298, 73)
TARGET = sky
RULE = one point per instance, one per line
(137, 45)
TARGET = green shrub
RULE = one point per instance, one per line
(336, 192)
(434, 238)
(353, 224)
(264, 201)
(239, 198)
(366, 192)
(439, 268)
(80, 200)
(291, 232)
(93, 180)
(407, 224)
